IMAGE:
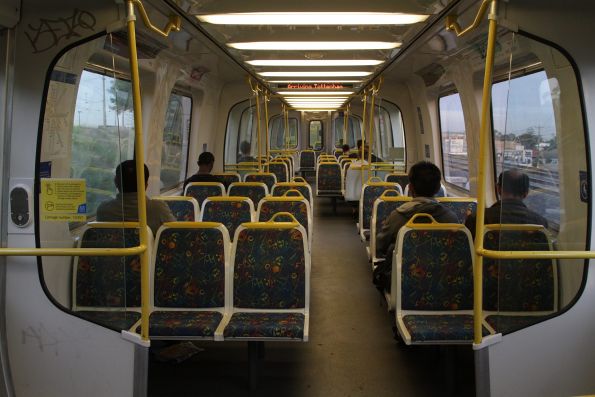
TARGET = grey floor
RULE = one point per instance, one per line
(351, 351)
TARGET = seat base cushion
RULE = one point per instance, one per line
(265, 325)
(119, 320)
(507, 323)
(455, 328)
(184, 323)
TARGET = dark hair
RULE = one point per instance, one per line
(126, 176)
(514, 182)
(245, 147)
(425, 178)
(359, 143)
(206, 158)
(346, 148)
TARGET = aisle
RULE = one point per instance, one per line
(351, 351)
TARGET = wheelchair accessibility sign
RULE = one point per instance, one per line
(63, 200)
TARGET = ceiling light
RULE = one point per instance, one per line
(326, 99)
(315, 62)
(315, 45)
(315, 74)
(343, 93)
(313, 18)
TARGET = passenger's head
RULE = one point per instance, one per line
(125, 179)
(346, 149)
(359, 144)
(245, 148)
(513, 184)
(206, 160)
(424, 179)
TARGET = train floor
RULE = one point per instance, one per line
(351, 351)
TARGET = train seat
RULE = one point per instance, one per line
(280, 169)
(371, 190)
(201, 190)
(518, 292)
(383, 206)
(297, 206)
(329, 179)
(255, 191)
(432, 282)
(231, 211)
(106, 289)
(303, 187)
(290, 165)
(307, 161)
(461, 206)
(184, 209)
(271, 282)
(228, 177)
(268, 178)
(189, 278)
(400, 177)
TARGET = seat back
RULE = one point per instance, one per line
(461, 206)
(201, 190)
(383, 207)
(255, 191)
(107, 282)
(296, 206)
(370, 192)
(519, 285)
(268, 178)
(434, 267)
(304, 188)
(307, 160)
(279, 168)
(288, 160)
(401, 178)
(329, 178)
(184, 209)
(271, 268)
(231, 211)
(189, 265)
(229, 177)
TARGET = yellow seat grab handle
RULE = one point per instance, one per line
(389, 193)
(278, 214)
(293, 191)
(299, 179)
(374, 179)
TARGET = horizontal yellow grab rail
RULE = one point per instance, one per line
(536, 254)
(73, 251)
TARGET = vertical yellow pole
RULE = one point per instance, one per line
(363, 153)
(481, 185)
(140, 171)
(286, 124)
(266, 120)
(345, 121)
(371, 128)
(258, 126)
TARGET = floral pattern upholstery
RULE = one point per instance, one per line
(443, 327)
(461, 209)
(183, 211)
(190, 269)
(402, 180)
(116, 320)
(231, 213)
(200, 193)
(270, 269)
(307, 160)
(183, 323)
(518, 285)
(108, 281)
(298, 209)
(267, 179)
(280, 171)
(329, 178)
(280, 190)
(228, 179)
(436, 271)
(254, 193)
(370, 193)
(384, 209)
(265, 325)
(507, 324)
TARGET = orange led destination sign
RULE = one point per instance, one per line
(315, 86)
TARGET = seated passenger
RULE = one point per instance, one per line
(346, 150)
(424, 179)
(206, 160)
(359, 150)
(512, 188)
(245, 156)
(125, 206)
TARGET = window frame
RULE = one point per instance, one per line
(350, 117)
(297, 132)
(321, 134)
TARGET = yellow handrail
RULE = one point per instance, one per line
(266, 121)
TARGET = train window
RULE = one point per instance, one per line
(354, 131)
(389, 133)
(316, 136)
(454, 141)
(175, 140)
(277, 131)
(247, 134)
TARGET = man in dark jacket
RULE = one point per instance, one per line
(512, 188)
(424, 183)
(206, 160)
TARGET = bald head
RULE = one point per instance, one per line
(513, 184)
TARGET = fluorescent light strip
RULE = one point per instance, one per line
(315, 93)
(314, 45)
(313, 81)
(316, 110)
(315, 74)
(313, 18)
(316, 102)
(314, 62)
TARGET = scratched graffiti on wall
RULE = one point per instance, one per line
(49, 32)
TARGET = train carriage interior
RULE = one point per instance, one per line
(266, 274)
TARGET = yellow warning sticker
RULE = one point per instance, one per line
(63, 200)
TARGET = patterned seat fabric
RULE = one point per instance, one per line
(297, 208)
(200, 193)
(509, 323)
(371, 194)
(116, 320)
(228, 179)
(231, 213)
(402, 180)
(303, 189)
(190, 269)
(461, 209)
(443, 327)
(329, 178)
(265, 325)
(108, 281)
(280, 171)
(307, 160)
(436, 271)
(384, 209)
(269, 271)
(254, 193)
(183, 211)
(268, 180)
(183, 323)
(518, 285)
